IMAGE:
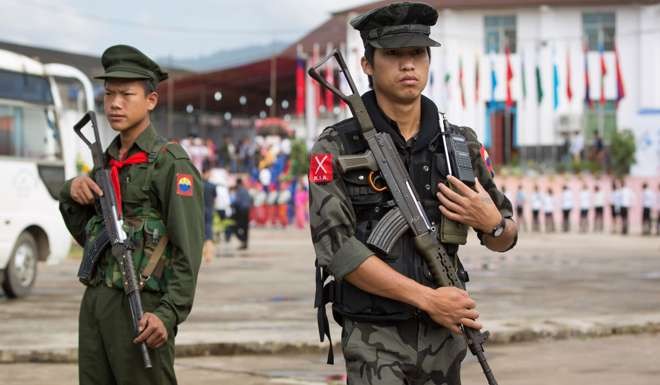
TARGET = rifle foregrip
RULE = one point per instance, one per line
(358, 162)
(388, 230)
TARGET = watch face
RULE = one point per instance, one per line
(499, 229)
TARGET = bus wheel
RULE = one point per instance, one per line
(21, 272)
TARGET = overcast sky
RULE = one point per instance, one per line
(183, 28)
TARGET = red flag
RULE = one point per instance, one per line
(330, 78)
(317, 88)
(587, 84)
(620, 90)
(476, 81)
(460, 81)
(569, 88)
(300, 86)
(509, 75)
(603, 72)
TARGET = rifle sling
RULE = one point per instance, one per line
(154, 260)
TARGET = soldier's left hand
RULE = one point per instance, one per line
(467, 206)
(152, 331)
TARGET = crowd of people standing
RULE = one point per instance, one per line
(248, 183)
(592, 203)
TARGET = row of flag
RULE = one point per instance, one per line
(540, 92)
(327, 100)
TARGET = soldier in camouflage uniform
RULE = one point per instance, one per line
(160, 200)
(398, 326)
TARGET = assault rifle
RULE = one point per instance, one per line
(122, 250)
(384, 162)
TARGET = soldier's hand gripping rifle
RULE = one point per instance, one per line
(121, 248)
(383, 159)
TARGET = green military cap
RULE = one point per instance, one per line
(126, 62)
(397, 25)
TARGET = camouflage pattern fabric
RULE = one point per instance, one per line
(414, 352)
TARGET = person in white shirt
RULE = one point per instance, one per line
(549, 209)
(537, 205)
(615, 200)
(566, 207)
(520, 208)
(626, 203)
(657, 206)
(648, 199)
(585, 206)
(599, 203)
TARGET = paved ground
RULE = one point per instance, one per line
(261, 300)
(630, 360)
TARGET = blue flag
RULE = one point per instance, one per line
(493, 81)
(555, 86)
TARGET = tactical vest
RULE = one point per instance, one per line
(144, 227)
(426, 168)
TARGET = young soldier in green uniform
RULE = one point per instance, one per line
(160, 200)
(398, 326)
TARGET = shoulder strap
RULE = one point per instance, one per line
(158, 146)
(154, 260)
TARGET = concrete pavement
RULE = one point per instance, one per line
(260, 301)
(629, 359)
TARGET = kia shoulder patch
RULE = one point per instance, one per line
(487, 161)
(184, 185)
(320, 169)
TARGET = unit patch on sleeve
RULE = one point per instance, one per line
(184, 185)
(487, 161)
(320, 169)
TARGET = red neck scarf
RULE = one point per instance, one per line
(116, 165)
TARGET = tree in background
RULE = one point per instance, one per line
(622, 151)
(299, 160)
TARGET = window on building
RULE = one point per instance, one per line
(599, 27)
(500, 31)
(602, 119)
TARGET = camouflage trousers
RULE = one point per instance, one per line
(418, 352)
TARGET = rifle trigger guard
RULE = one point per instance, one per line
(376, 182)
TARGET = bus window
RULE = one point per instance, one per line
(29, 131)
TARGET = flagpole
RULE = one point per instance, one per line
(601, 106)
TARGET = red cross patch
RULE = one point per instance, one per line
(320, 168)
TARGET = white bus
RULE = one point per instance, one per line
(38, 153)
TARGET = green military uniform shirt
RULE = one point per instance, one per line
(180, 211)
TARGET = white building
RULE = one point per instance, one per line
(545, 34)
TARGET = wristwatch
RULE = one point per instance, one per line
(499, 229)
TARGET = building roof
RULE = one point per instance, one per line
(495, 4)
(249, 80)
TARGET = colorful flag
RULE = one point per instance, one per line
(555, 85)
(330, 78)
(300, 85)
(493, 80)
(317, 88)
(509, 76)
(603, 72)
(476, 81)
(539, 85)
(587, 84)
(620, 89)
(460, 81)
(569, 87)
